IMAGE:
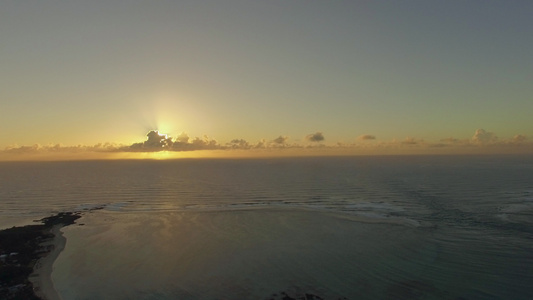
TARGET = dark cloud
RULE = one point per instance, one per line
(366, 137)
(160, 142)
(280, 140)
(204, 143)
(154, 142)
(450, 140)
(261, 144)
(315, 137)
(238, 144)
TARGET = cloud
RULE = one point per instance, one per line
(161, 142)
(23, 149)
(519, 139)
(57, 148)
(411, 141)
(204, 143)
(280, 140)
(481, 136)
(366, 137)
(184, 143)
(481, 142)
(154, 142)
(182, 138)
(315, 137)
(450, 140)
(239, 144)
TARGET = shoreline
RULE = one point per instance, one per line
(41, 279)
(27, 254)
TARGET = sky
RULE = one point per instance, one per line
(88, 78)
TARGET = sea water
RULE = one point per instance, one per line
(414, 227)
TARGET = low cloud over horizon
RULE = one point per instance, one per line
(481, 141)
(315, 137)
(366, 137)
(161, 142)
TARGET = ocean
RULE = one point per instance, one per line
(376, 227)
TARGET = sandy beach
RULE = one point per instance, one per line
(41, 279)
(27, 257)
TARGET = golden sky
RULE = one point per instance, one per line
(90, 79)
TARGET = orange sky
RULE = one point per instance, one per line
(90, 79)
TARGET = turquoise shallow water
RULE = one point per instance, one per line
(457, 227)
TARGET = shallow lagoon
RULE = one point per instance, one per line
(254, 254)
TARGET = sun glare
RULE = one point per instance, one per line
(163, 129)
(163, 155)
(163, 135)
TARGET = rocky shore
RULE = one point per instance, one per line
(21, 248)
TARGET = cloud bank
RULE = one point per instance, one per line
(481, 141)
(161, 142)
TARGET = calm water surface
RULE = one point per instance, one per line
(458, 227)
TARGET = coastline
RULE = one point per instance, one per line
(27, 254)
(41, 279)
